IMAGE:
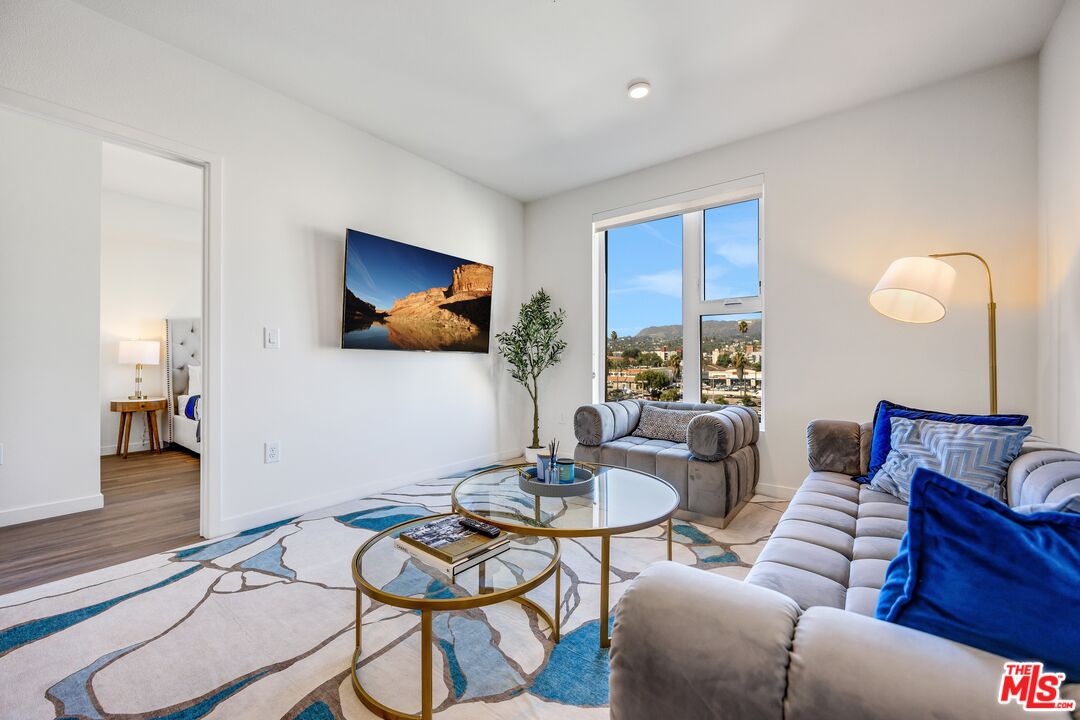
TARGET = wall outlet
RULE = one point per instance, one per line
(272, 452)
(271, 338)
(562, 417)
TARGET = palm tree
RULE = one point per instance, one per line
(614, 336)
(738, 361)
(744, 326)
(675, 363)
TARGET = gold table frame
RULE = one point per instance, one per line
(428, 607)
(604, 533)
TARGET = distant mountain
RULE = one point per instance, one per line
(711, 329)
(661, 332)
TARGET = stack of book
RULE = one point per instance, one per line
(449, 547)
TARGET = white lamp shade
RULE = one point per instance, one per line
(140, 352)
(914, 290)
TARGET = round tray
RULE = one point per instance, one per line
(584, 481)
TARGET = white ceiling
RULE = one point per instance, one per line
(134, 172)
(529, 96)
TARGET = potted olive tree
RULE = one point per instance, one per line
(531, 346)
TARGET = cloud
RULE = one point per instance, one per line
(666, 238)
(358, 272)
(668, 282)
(733, 236)
(739, 254)
(359, 280)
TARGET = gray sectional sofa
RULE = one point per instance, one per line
(715, 470)
(798, 639)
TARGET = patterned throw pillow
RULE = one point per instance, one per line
(977, 456)
(660, 424)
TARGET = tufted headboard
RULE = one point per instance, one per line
(183, 347)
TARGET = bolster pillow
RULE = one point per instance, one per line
(715, 435)
(603, 422)
(834, 446)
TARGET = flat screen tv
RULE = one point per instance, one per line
(402, 297)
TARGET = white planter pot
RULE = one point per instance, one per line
(531, 453)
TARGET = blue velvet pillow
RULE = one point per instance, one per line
(880, 444)
(972, 570)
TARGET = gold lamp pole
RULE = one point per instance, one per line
(917, 290)
(991, 322)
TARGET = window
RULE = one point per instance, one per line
(731, 360)
(688, 279)
(644, 310)
(731, 251)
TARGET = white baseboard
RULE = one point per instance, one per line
(133, 446)
(236, 523)
(29, 513)
(781, 492)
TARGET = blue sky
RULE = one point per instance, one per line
(381, 271)
(644, 271)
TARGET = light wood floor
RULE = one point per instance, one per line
(151, 505)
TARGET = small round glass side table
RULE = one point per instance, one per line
(388, 574)
(621, 501)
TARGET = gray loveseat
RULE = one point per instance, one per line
(715, 470)
(798, 640)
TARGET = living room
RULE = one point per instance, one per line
(601, 208)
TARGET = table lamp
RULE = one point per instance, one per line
(917, 290)
(139, 353)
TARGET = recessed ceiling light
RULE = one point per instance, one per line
(638, 89)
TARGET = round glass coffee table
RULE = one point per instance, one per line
(621, 501)
(388, 574)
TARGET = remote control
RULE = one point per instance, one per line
(481, 527)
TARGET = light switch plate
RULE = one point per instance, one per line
(1, 453)
(272, 452)
(271, 338)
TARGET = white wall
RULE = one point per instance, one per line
(1059, 235)
(350, 422)
(50, 199)
(151, 269)
(948, 167)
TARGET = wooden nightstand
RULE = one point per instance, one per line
(127, 408)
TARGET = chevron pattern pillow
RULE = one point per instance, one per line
(975, 455)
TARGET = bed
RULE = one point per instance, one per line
(183, 352)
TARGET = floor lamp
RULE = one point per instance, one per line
(917, 290)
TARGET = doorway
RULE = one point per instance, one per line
(105, 246)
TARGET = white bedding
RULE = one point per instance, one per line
(183, 427)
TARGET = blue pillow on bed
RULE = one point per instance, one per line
(191, 410)
(972, 570)
(880, 444)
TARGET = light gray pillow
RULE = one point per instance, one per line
(661, 424)
(975, 455)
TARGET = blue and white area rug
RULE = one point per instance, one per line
(260, 625)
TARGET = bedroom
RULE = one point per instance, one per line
(142, 397)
